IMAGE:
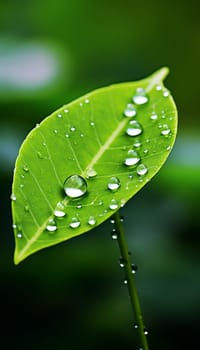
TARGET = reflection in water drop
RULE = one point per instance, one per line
(59, 210)
(114, 183)
(130, 111)
(75, 222)
(13, 197)
(142, 170)
(75, 186)
(113, 204)
(51, 225)
(91, 221)
(140, 97)
(134, 128)
(132, 158)
(91, 173)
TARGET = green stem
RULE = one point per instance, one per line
(130, 282)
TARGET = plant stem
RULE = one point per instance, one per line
(130, 281)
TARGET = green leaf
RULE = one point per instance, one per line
(111, 155)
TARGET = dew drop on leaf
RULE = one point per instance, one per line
(134, 268)
(91, 221)
(59, 115)
(51, 225)
(114, 183)
(113, 204)
(72, 128)
(132, 158)
(13, 197)
(121, 262)
(134, 128)
(130, 110)
(19, 235)
(165, 93)
(140, 97)
(25, 168)
(75, 222)
(59, 211)
(154, 116)
(165, 130)
(142, 170)
(114, 234)
(158, 87)
(91, 173)
(75, 186)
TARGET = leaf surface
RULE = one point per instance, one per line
(112, 153)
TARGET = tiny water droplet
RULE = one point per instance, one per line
(14, 226)
(55, 131)
(100, 202)
(145, 151)
(26, 208)
(122, 203)
(59, 115)
(51, 225)
(59, 211)
(134, 268)
(87, 100)
(145, 331)
(165, 130)
(39, 154)
(142, 170)
(140, 97)
(114, 234)
(122, 218)
(25, 168)
(91, 221)
(130, 110)
(168, 148)
(66, 110)
(75, 222)
(132, 158)
(158, 87)
(121, 262)
(19, 235)
(75, 186)
(13, 197)
(135, 325)
(114, 183)
(125, 281)
(81, 135)
(137, 144)
(72, 128)
(37, 125)
(81, 104)
(113, 204)
(165, 93)
(22, 176)
(67, 135)
(134, 128)
(154, 116)
(112, 221)
(91, 173)
(79, 206)
(92, 123)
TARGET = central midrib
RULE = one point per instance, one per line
(155, 80)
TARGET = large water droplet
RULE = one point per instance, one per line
(75, 186)
(165, 130)
(75, 222)
(142, 170)
(91, 221)
(113, 204)
(91, 173)
(59, 211)
(132, 158)
(130, 110)
(51, 225)
(114, 183)
(134, 128)
(140, 97)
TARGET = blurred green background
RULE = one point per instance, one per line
(72, 296)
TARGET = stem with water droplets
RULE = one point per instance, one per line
(130, 281)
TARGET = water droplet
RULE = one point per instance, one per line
(91, 173)
(114, 234)
(112, 221)
(142, 170)
(66, 110)
(132, 158)
(114, 183)
(134, 268)
(113, 204)
(55, 131)
(79, 206)
(145, 151)
(145, 331)
(140, 97)
(165, 130)
(72, 128)
(92, 123)
(91, 221)
(134, 128)
(67, 135)
(75, 222)
(13, 197)
(22, 176)
(100, 202)
(121, 262)
(125, 281)
(75, 186)
(39, 154)
(137, 144)
(25, 168)
(165, 93)
(19, 235)
(59, 115)
(51, 225)
(158, 87)
(135, 325)
(122, 203)
(59, 211)
(81, 135)
(81, 104)
(130, 110)
(26, 208)
(87, 100)
(168, 148)
(14, 226)
(37, 125)
(154, 116)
